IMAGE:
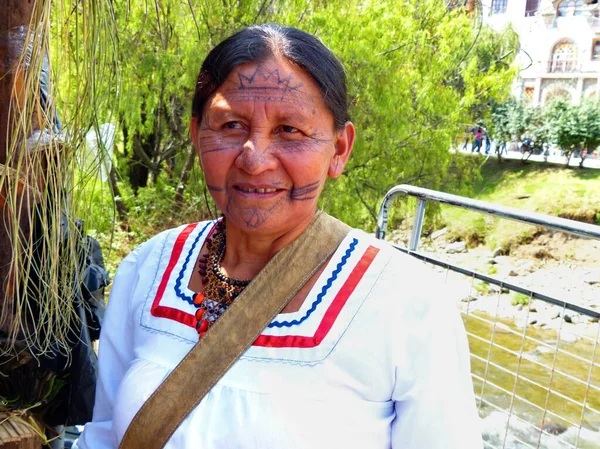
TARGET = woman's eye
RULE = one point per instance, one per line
(233, 125)
(289, 129)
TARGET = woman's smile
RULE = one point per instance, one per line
(257, 192)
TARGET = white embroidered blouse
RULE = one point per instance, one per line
(376, 357)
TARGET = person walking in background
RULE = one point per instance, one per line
(488, 142)
(468, 132)
(478, 139)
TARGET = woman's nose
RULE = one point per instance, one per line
(256, 156)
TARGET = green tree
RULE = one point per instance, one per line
(589, 127)
(563, 120)
(416, 71)
(538, 131)
(500, 122)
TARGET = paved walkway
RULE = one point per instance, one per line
(552, 159)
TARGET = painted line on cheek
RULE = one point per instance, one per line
(215, 188)
(216, 150)
(300, 193)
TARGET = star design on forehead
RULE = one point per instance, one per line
(246, 82)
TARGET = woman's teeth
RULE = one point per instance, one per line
(244, 189)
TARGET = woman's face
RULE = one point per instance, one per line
(267, 142)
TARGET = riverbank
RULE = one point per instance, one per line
(559, 191)
(555, 264)
(547, 348)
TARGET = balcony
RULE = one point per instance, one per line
(563, 66)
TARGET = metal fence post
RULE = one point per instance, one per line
(415, 236)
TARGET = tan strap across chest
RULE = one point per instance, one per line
(233, 333)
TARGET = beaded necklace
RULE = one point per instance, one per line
(219, 290)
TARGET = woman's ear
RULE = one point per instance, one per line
(194, 131)
(194, 125)
(343, 147)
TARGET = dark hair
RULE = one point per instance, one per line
(260, 42)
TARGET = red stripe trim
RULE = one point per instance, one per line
(286, 341)
(168, 312)
(289, 341)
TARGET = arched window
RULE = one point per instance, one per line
(569, 7)
(564, 58)
(558, 94)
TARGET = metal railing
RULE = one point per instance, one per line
(535, 388)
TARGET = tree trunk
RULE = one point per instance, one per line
(569, 157)
(14, 22)
(122, 211)
(582, 158)
(185, 174)
(141, 161)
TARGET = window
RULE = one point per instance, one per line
(531, 7)
(596, 50)
(528, 93)
(564, 58)
(499, 6)
(569, 7)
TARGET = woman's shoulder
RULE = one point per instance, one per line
(398, 260)
(403, 281)
(160, 241)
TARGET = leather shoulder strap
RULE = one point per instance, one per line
(233, 333)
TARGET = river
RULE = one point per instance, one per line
(570, 376)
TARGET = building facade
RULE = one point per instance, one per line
(560, 46)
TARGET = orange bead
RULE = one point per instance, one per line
(199, 298)
(202, 334)
(199, 314)
(203, 326)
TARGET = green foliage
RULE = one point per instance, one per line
(518, 120)
(519, 298)
(570, 127)
(553, 190)
(589, 125)
(417, 72)
(563, 117)
(483, 288)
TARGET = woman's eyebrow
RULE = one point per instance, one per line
(225, 110)
(293, 118)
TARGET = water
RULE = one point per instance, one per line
(569, 376)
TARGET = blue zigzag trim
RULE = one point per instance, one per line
(324, 290)
(182, 271)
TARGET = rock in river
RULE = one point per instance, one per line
(456, 247)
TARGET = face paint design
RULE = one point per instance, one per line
(266, 142)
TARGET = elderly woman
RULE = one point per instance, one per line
(366, 354)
